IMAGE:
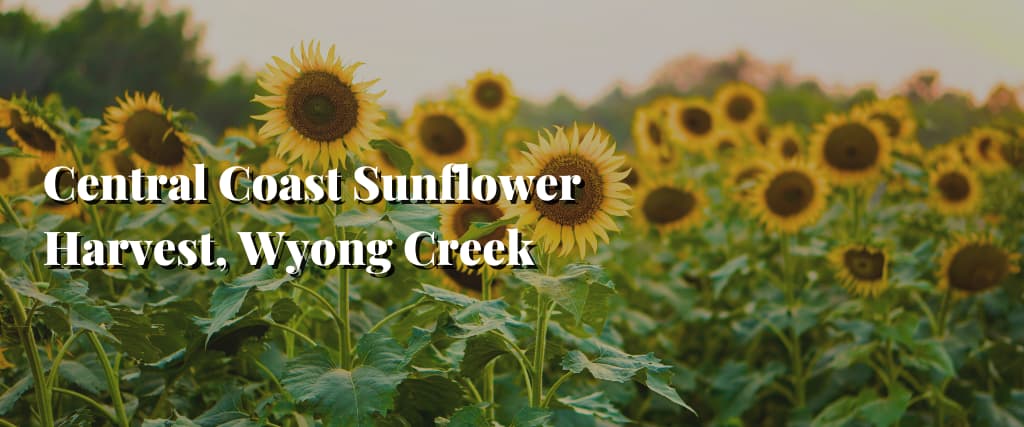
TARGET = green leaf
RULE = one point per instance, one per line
(989, 413)
(410, 218)
(284, 310)
(8, 151)
(398, 156)
(843, 411)
(930, 353)
(720, 277)
(12, 394)
(611, 366)
(888, 411)
(357, 218)
(445, 296)
(279, 217)
(480, 229)
(531, 417)
(340, 397)
(227, 298)
(595, 405)
(421, 400)
(583, 290)
(469, 416)
(19, 243)
(660, 383)
(228, 411)
(134, 333)
(381, 351)
(481, 350)
(79, 374)
(28, 289)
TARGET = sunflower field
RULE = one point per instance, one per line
(727, 263)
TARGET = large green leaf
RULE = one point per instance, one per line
(617, 366)
(398, 156)
(720, 276)
(595, 405)
(407, 219)
(12, 394)
(339, 396)
(481, 350)
(227, 298)
(583, 290)
(19, 243)
(83, 376)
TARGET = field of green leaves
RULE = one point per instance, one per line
(739, 256)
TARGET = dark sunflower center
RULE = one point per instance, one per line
(984, 145)
(466, 215)
(851, 147)
(1013, 154)
(321, 107)
(442, 135)
(665, 205)
(654, 132)
(472, 282)
(5, 168)
(763, 133)
(864, 264)
(489, 94)
(587, 198)
(789, 193)
(725, 146)
(32, 135)
(977, 267)
(892, 124)
(151, 137)
(954, 186)
(790, 148)
(696, 120)
(632, 179)
(739, 108)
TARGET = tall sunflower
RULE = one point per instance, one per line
(955, 189)
(142, 124)
(861, 269)
(692, 122)
(488, 96)
(975, 264)
(652, 139)
(563, 226)
(666, 206)
(32, 127)
(850, 148)
(316, 107)
(439, 135)
(894, 114)
(740, 104)
(983, 147)
(790, 196)
(786, 142)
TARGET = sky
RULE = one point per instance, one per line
(584, 47)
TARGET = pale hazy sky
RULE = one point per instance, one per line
(582, 47)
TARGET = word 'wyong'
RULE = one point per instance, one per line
(455, 184)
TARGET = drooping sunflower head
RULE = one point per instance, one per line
(740, 104)
(439, 135)
(954, 189)
(983, 148)
(786, 142)
(744, 177)
(31, 126)
(692, 121)
(975, 264)
(562, 226)
(142, 125)
(851, 149)
(862, 269)
(488, 96)
(894, 114)
(316, 107)
(666, 206)
(790, 196)
(652, 139)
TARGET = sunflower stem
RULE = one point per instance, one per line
(112, 381)
(540, 344)
(345, 340)
(796, 353)
(44, 395)
(488, 281)
(940, 331)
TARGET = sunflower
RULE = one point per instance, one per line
(983, 148)
(116, 162)
(144, 126)
(563, 226)
(760, 133)
(955, 189)
(786, 142)
(740, 104)
(725, 143)
(850, 148)
(12, 171)
(34, 175)
(380, 159)
(894, 114)
(790, 197)
(975, 264)
(633, 177)
(441, 135)
(666, 206)
(456, 220)
(692, 121)
(32, 128)
(942, 154)
(317, 108)
(651, 138)
(744, 176)
(488, 96)
(1012, 152)
(469, 281)
(862, 269)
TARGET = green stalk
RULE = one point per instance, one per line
(112, 382)
(395, 315)
(488, 281)
(44, 396)
(344, 301)
(88, 400)
(554, 388)
(947, 298)
(796, 353)
(540, 343)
